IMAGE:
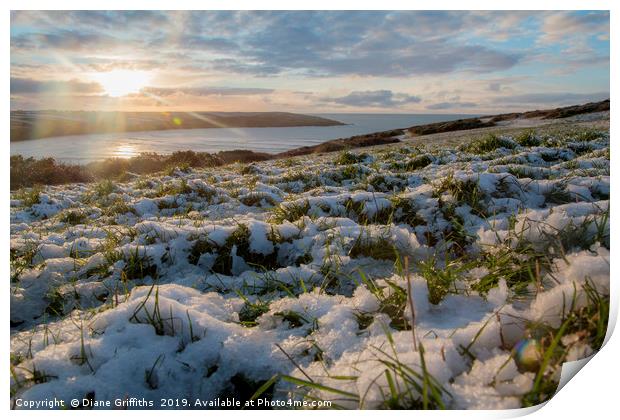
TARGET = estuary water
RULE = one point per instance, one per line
(92, 147)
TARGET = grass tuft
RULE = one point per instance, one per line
(488, 143)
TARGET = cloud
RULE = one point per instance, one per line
(73, 87)
(375, 99)
(371, 54)
(86, 19)
(63, 40)
(212, 43)
(206, 91)
(565, 26)
(495, 86)
(311, 43)
(364, 43)
(451, 105)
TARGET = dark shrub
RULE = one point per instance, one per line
(30, 171)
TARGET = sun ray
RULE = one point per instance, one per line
(196, 115)
(118, 83)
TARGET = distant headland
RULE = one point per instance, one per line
(30, 125)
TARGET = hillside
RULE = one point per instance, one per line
(26, 125)
(452, 272)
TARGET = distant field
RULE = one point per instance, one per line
(28, 125)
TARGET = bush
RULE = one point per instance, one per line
(30, 171)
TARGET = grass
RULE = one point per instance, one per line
(35, 376)
(240, 239)
(386, 183)
(519, 269)
(138, 266)
(527, 138)
(456, 236)
(173, 188)
(251, 311)
(293, 318)
(392, 301)
(73, 217)
(356, 210)
(290, 211)
(118, 207)
(242, 388)
(200, 247)
(583, 235)
(404, 386)
(522, 171)
(416, 389)
(589, 323)
(150, 375)
(559, 195)
(351, 171)
(56, 303)
(418, 162)
(257, 200)
(406, 212)
(22, 259)
(587, 134)
(142, 315)
(463, 191)
(164, 324)
(29, 196)
(379, 248)
(441, 280)
(364, 320)
(451, 259)
(488, 143)
(104, 188)
(101, 270)
(349, 158)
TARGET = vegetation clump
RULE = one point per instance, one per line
(29, 196)
(251, 311)
(240, 241)
(73, 217)
(587, 325)
(413, 164)
(138, 266)
(488, 143)
(28, 172)
(349, 158)
(528, 138)
(200, 247)
(379, 248)
(463, 191)
(290, 211)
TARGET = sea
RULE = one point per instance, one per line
(82, 149)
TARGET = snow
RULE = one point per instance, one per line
(132, 301)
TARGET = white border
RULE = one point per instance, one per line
(591, 394)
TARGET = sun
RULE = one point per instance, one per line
(122, 82)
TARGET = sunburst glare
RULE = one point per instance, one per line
(122, 82)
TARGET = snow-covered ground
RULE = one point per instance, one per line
(396, 277)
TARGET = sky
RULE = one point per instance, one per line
(308, 61)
